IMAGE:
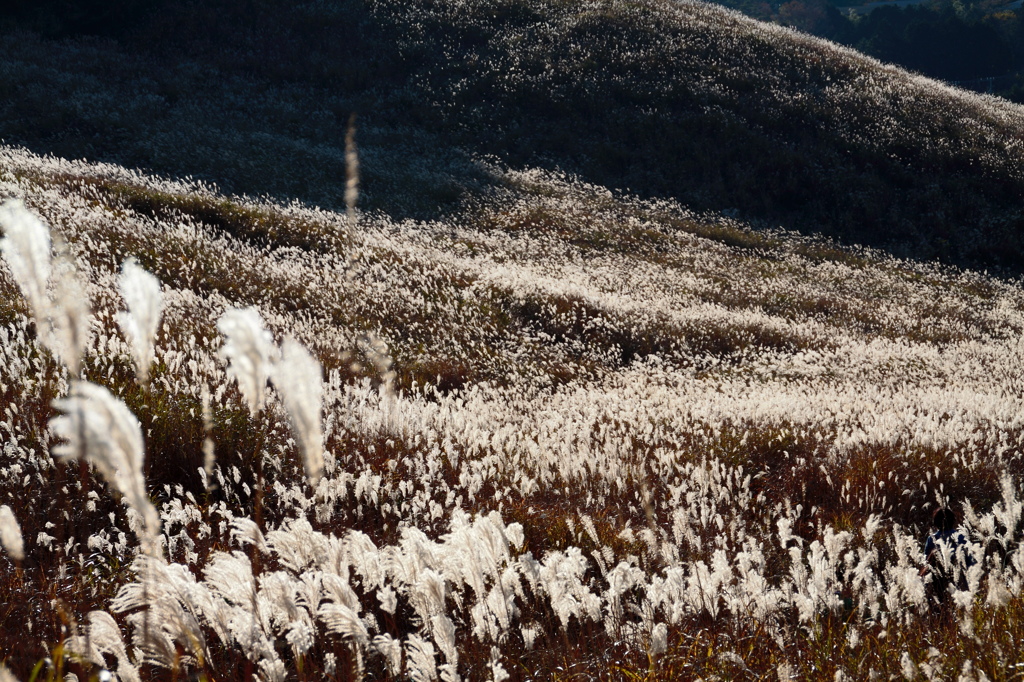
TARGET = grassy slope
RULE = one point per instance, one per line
(688, 101)
(668, 99)
(662, 345)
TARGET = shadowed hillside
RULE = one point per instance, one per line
(668, 99)
(680, 100)
(689, 101)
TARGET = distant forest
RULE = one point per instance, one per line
(952, 40)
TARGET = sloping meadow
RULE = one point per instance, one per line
(563, 433)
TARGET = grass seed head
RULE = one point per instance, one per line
(26, 248)
(97, 426)
(142, 295)
(249, 351)
(299, 379)
(10, 534)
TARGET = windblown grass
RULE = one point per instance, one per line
(619, 441)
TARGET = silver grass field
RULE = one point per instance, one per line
(565, 437)
(542, 430)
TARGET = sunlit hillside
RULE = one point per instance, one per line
(572, 431)
(488, 419)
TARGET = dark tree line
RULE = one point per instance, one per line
(940, 43)
(947, 39)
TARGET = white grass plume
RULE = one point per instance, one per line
(422, 662)
(299, 379)
(658, 643)
(6, 675)
(253, 359)
(391, 650)
(66, 328)
(142, 295)
(164, 607)
(62, 322)
(10, 534)
(377, 352)
(444, 634)
(100, 427)
(104, 637)
(498, 673)
(351, 171)
(26, 248)
(249, 350)
(208, 448)
(342, 620)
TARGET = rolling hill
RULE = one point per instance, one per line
(501, 418)
(673, 100)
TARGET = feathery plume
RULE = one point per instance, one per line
(299, 379)
(62, 322)
(342, 620)
(6, 675)
(376, 351)
(907, 667)
(659, 641)
(26, 248)
(10, 534)
(444, 635)
(100, 427)
(142, 295)
(245, 531)
(351, 171)
(248, 350)
(272, 669)
(422, 664)
(391, 650)
(388, 599)
(498, 672)
(65, 331)
(208, 455)
(104, 637)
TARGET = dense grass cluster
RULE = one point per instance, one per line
(566, 433)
